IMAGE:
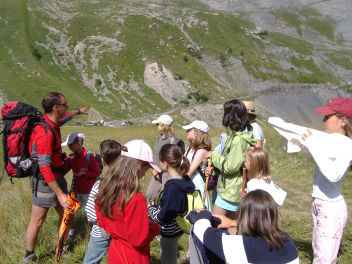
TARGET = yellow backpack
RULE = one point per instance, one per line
(194, 201)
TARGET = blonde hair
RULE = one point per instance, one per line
(201, 141)
(258, 164)
(120, 184)
(166, 130)
(348, 127)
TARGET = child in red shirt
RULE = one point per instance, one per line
(121, 208)
(85, 172)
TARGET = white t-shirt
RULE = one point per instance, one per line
(332, 153)
(258, 132)
(275, 191)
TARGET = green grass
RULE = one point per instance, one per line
(291, 172)
(25, 40)
(290, 18)
(300, 46)
(307, 16)
(343, 59)
(324, 25)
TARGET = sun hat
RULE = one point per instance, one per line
(139, 149)
(250, 107)
(337, 105)
(74, 137)
(201, 125)
(165, 119)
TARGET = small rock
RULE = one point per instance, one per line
(171, 38)
(191, 47)
(162, 42)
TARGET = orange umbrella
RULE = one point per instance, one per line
(64, 227)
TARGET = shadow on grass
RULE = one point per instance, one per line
(154, 260)
(306, 248)
(82, 230)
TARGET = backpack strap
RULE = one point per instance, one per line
(198, 169)
(46, 125)
(88, 158)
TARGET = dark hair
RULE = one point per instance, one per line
(235, 116)
(251, 117)
(258, 217)
(50, 100)
(110, 150)
(172, 155)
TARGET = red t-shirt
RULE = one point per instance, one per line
(79, 163)
(41, 147)
(130, 230)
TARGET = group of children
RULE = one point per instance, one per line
(125, 222)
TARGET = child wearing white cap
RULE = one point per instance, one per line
(200, 144)
(166, 136)
(84, 165)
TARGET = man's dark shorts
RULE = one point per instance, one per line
(44, 196)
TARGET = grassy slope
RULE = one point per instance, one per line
(24, 30)
(291, 172)
(227, 37)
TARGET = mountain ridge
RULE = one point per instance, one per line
(130, 58)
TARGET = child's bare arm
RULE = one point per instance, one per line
(226, 222)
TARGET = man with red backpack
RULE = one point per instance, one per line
(49, 187)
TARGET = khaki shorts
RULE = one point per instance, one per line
(48, 199)
(43, 199)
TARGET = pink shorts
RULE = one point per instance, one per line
(329, 221)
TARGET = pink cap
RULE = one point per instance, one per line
(338, 105)
(139, 149)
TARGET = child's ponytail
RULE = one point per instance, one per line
(184, 166)
(172, 155)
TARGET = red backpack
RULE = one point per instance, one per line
(19, 119)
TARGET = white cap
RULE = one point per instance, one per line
(139, 149)
(73, 138)
(201, 125)
(165, 119)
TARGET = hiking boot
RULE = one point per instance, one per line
(29, 259)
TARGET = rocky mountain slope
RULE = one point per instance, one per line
(133, 59)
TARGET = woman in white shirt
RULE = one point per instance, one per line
(333, 157)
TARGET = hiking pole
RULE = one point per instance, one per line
(244, 178)
(206, 181)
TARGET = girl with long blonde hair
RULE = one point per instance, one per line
(121, 207)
